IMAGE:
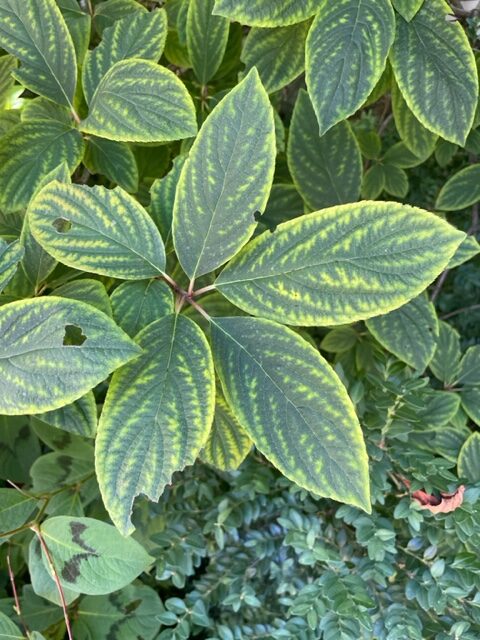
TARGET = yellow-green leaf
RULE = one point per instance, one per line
(86, 290)
(8, 64)
(156, 417)
(278, 54)
(461, 190)
(79, 417)
(293, 406)
(418, 139)
(207, 37)
(140, 101)
(79, 24)
(53, 351)
(267, 13)
(469, 459)
(326, 170)
(226, 179)
(35, 32)
(141, 35)
(97, 230)
(436, 72)
(10, 256)
(346, 53)
(341, 264)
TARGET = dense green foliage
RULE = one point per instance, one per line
(239, 284)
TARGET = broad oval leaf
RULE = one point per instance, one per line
(32, 30)
(225, 180)
(108, 12)
(10, 256)
(435, 70)
(86, 290)
(341, 264)
(346, 53)
(267, 13)
(326, 170)
(469, 459)
(156, 417)
(140, 101)
(42, 582)
(417, 138)
(79, 418)
(408, 332)
(293, 406)
(97, 230)
(278, 54)
(141, 35)
(207, 37)
(29, 152)
(445, 363)
(15, 509)
(91, 556)
(53, 351)
(461, 190)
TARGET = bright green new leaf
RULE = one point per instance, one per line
(79, 418)
(228, 444)
(53, 351)
(10, 256)
(409, 332)
(97, 230)
(87, 290)
(141, 35)
(207, 37)
(326, 170)
(35, 32)
(137, 304)
(156, 417)
(469, 370)
(225, 180)
(8, 629)
(407, 8)
(278, 54)
(469, 459)
(470, 397)
(346, 53)
(341, 264)
(293, 406)
(445, 363)
(418, 139)
(140, 101)
(461, 190)
(15, 509)
(435, 71)
(267, 13)
(91, 556)
(29, 152)
(115, 160)
(42, 582)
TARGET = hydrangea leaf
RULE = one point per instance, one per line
(267, 13)
(207, 37)
(461, 190)
(79, 417)
(417, 138)
(10, 256)
(469, 459)
(407, 8)
(115, 160)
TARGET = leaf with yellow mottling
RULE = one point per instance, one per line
(137, 304)
(10, 256)
(267, 13)
(207, 37)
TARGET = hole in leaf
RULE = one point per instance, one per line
(62, 225)
(74, 336)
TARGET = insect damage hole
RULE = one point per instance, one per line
(74, 336)
(62, 225)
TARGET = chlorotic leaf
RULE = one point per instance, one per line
(138, 304)
(97, 230)
(156, 417)
(418, 139)
(53, 351)
(467, 250)
(31, 30)
(86, 290)
(91, 556)
(446, 359)
(162, 201)
(225, 180)
(115, 160)
(469, 370)
(407, 8)
(29, 152)
(469, 459)
(346, 54)
(435, 70)
(79, 24)
(108, 12)
(267, 13)
(140, 101)
(326, 170)
(228, 444)
(341, 264)
(7, 65)
(278, 54)
(207, 37)
(470, 397)
(79, 418)
(141, 35)
(293, 406)
(461, 190)
(15, 509)
(408, 332)
(10, 256)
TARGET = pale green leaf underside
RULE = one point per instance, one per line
(293, 406)
(91, 556)
(207, 37)
(461, 190)
(141, 35)
(435, 70)
(10, 256)
(326, 170)
(341, 264)
(31, 30)
(469, 459)
(38, 372)
(137, 304)
(140, 101)
(346, 53)
(158, 409)
(267, 13)
(97, 230)
(225, 180)
(409, 332)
